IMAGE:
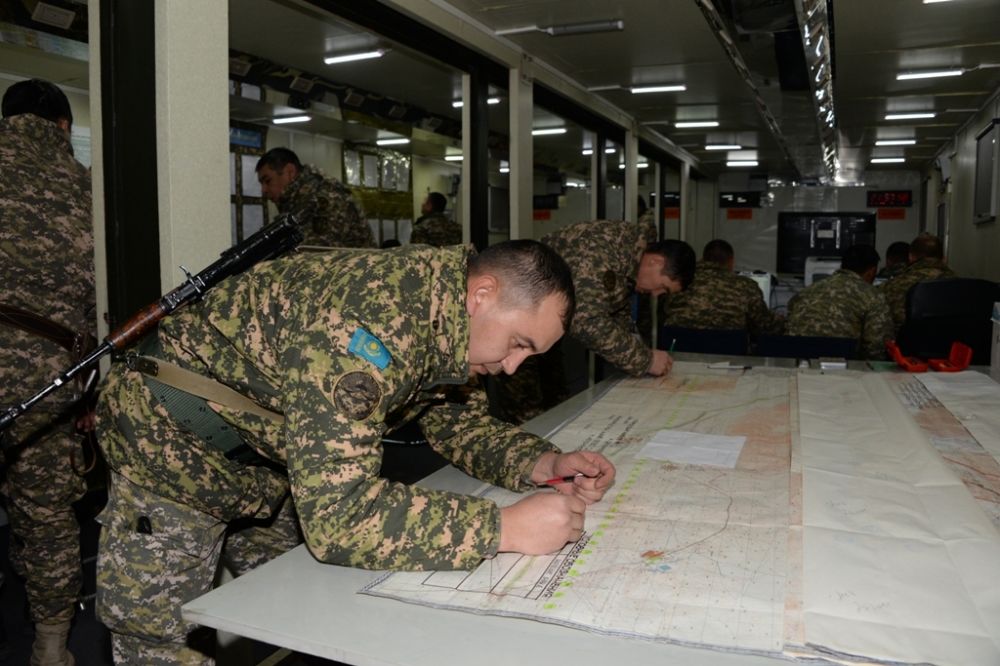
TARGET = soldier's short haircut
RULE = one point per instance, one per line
(276, 159)
(927, 246)
(438, 202)
(859, 258)
(39, 97)
(718, 251)
(679, 259)
(529, 271)
(897, 253)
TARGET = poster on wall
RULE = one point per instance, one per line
(369, 174)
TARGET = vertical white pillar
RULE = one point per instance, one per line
(192, 134)
(97, 170)
(686, 207)
(521, 146)
(631, 174)
(466, 192)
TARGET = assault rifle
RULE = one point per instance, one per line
(272, 241)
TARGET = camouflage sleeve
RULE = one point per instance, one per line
(894, 292)
(760, 318)
(461, 429)
(877, 328)
(600, 330)
(420, 235)
(335, 405)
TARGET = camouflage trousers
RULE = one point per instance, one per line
(155, 555)
(41, 486)
(176, 509)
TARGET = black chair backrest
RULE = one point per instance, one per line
(804, 346)
(939, 312)
(703, 340)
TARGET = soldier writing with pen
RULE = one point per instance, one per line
(332, 349)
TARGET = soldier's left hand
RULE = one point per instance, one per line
(593, 474)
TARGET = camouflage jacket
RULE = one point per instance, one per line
(895, 289)
(843, 306)
(348, 344)
(436, 229)
(722, 300)
(604, 257)
(889, 272)
(46, 251)
(327, 211)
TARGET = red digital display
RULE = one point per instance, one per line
(890, 198)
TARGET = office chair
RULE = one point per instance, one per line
(804, 346)
(702, 340)
(940, 312)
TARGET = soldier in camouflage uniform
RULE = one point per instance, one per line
(719, 299)
(845, 305)
(611, 260)
(434, 227)
(342, 346)
(325, 208)
(46, 267)
(897, 258)
(926, 263)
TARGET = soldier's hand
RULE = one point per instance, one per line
(660, 364)
(594, 474)
(541, 523)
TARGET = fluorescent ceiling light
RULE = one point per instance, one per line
(588, 27)
(291, 119)
(723, 146)
(888, 160)
(640, 165)
(590, 151)
(504, 169)
(741, 163)
(697, 123)
(490, 100)
(452, 158)
(548, 130)
(909, 116)
(929, 74)
(398, 141)
(896, 142)
(931, 2)
(350, 57)
(658, 89)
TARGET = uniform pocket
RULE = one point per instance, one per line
(155, 555)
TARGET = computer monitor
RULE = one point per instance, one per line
(818, 268)
(763, 280)
(802, 235)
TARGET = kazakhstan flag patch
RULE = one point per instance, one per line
(370, 348)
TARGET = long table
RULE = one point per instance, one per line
(299, 604)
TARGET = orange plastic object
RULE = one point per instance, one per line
(958, 359)
(908, 363)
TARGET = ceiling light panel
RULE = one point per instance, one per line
(351, 57)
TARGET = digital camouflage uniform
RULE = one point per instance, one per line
(346, 344)
(47, 267)
(719, 299)
(326, 210)
(921, 270)
(436, 229)
(603, 256)
(843, 306)
(889, 272)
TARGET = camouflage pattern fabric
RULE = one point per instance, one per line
(889, 272)
(895, 289)
(604, 257)
(327, 211)
(719, 299)
(436, 229)
(46, 266)
(347, 345)
(843, 306)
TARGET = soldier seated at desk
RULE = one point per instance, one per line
(845, 305)
(719, 299)
(926, 263)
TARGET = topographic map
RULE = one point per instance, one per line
(691, 554)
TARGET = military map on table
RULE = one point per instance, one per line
(691, 554)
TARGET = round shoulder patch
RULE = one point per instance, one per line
(357, 395)
(609, 280)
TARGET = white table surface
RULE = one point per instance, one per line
(297, 603)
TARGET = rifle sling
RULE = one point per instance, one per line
(43, 327)
(183, 393)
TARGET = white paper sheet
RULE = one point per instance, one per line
(694, 448)
(974, 399)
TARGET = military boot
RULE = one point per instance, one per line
(50, 645)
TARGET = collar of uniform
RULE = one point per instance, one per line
(45, 132)
(448, 317)
(925, 262)
(846, 272)
(703, 265)
(308, 176)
